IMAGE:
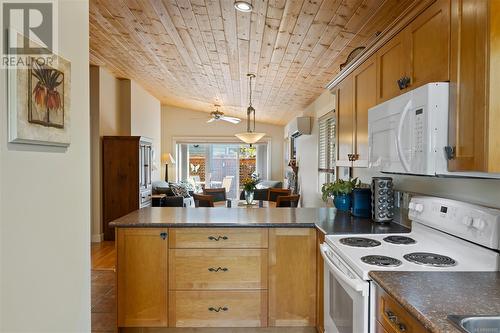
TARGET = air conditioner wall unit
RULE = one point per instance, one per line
(299, 126)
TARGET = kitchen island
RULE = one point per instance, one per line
(226, 267)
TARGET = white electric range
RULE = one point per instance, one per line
(446, 235)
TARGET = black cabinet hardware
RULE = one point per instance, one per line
(218, 269)
(163, 235)
(218, 238)
(219, 309)
(404, 82)
(450, 152)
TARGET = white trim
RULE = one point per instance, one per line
(97, 238)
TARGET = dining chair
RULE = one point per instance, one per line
(227, 182)
(201, 200)
(274, 193)
(288, 201)
(218, 194)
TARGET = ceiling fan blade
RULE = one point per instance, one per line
(210, 120)
(231, 119)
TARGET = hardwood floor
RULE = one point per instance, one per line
(103, 291)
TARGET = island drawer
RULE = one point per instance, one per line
(393, 317)
(209, 269)
(217, 309)
(218, 238)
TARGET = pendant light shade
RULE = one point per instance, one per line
(250, 136)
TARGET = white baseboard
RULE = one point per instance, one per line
(97, 238)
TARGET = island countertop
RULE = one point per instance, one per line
(431, 296)
(327, 220)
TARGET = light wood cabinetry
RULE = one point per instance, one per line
(320, 320)
(392, 317)
(292, 277)
(142, 277)
(428, 44)
(218, 238)
(218, 308)
(207, 269)
(355, 95)
(392, 65)
(217, 277)
(475, 103)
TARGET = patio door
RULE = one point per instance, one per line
(217, 165)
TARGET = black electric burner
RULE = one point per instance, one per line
(359, 242)
(400, 240)
(430, 259)
(381, 261)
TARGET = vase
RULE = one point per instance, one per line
(342, 202)
(249, 197)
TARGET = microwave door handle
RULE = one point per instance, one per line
(399, 146)
(359, 286)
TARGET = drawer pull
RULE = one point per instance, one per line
(163, 235)
(222, 269)
(392, 317)
(218, 238)
(219, 309)
(402, 327)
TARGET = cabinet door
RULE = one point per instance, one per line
(365, 97)
(320, 317)
(392, 65)
(142, 277)
(292, 277)
(345, 121)
(428, 38)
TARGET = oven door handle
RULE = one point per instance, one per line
(358, 285)
(399, 141)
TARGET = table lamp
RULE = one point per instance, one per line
(167, 158)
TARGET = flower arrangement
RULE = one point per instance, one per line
(249, 184)
(339, 187)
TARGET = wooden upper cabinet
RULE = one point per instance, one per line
(392, 65)
(427, 40)
(365, 97)
(474, 103)
(142, 277)
(292, 277)
(345, 121)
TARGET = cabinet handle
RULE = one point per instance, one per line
(355, 157)
(402, 327)
(218, 238)
(222, 269)
(404, 82)
(219, 309)
(392, 317)
(450, 152)
(163, 235)
(349, 157)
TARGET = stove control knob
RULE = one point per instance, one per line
(479, 224)
(467, 220)
(419, 208)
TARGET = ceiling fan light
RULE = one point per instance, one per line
(250, 137)
(243, 6)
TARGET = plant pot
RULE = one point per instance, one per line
(249, 197)
(342, 202)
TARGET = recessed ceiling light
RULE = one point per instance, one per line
(243, 6)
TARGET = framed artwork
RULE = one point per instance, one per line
(39, 102)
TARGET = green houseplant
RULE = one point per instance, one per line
(341, 191)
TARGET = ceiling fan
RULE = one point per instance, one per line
(218, 115)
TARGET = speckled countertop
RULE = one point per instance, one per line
(328, 220)
(431, 296)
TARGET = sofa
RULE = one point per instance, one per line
(171, 199)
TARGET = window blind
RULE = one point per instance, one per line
(326, 146)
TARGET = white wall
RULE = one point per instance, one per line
(45, 207)
(145, 120)
(178, 122)
(307, 152)
(480, 191)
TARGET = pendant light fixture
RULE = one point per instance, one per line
(250, 136)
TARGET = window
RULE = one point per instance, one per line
(216, 165)
(326, 148)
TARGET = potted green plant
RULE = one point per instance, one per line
(341, 191)
(249, 185)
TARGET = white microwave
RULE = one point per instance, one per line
(408, 134)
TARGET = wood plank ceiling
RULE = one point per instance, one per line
(194, 53)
